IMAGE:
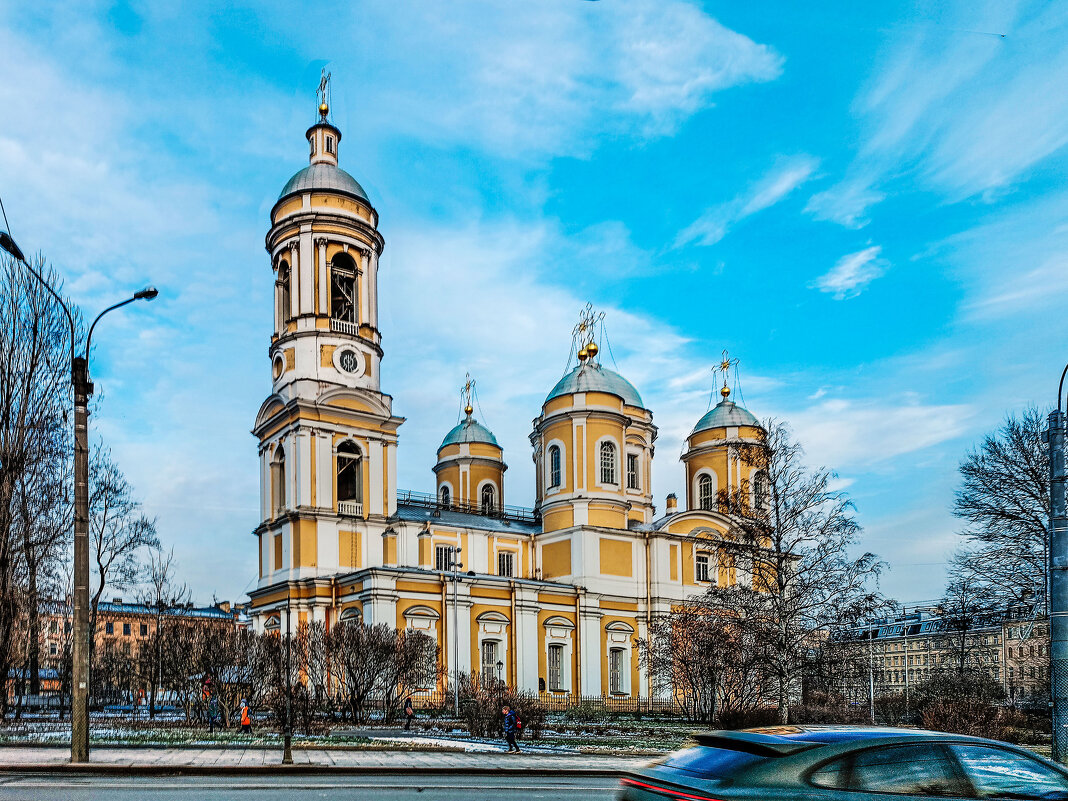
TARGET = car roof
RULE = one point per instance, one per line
(838, 734)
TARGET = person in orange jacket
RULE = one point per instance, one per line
(246, 718)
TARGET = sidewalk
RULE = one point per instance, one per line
(208, 761)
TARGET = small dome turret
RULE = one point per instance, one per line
(470, 466)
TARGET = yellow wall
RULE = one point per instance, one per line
(673, 556)
(556, 559)
(349, 549)
(616, 557)
(558, 519)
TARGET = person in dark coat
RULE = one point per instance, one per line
(409, 713)
(511, 727)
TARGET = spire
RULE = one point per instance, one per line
(466, 392)
(725, 365)
(323, 136)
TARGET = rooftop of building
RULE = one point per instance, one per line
(422, 506)
(591, 376)
(323, 178)
(467, 431)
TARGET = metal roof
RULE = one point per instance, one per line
(323, 177)
(470, 430)
(591, 377)
(723, 414)
(450, 517)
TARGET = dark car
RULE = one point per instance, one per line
(844, 763)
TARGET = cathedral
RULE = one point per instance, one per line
(551, 599)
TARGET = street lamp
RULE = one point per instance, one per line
(454, 565)
(287, 747)
(1058, 579)
(500, 684)
(83, 388)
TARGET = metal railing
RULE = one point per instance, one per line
(345, 326)
(426, 500)
(350, 508)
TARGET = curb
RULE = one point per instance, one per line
(291, 770)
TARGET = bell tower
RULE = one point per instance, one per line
(327, 434)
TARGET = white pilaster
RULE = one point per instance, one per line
(323, 306)
(307, 271)
(377, 468)
(364, 286)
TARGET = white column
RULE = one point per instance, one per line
(278, 324)
(324, 285)
(527, 641)
(377, 470)
(294, 278)
(590, 625)
(303, 468)
(391, 478)
(307, 271)
(372, 290)
(324, 471)
(363, 282)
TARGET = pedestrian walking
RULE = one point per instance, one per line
(246, 718)
(409, 713)
(213, 713)
(511, 728)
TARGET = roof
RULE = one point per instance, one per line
(723, 414)
(592, 377)
(323, 177)
(470, 430)
(450, 517)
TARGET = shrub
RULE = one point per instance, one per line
(480, 707)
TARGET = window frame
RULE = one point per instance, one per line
(634, 480)
(697, 562)
(554, 668)
(351, 453)
(616, 683)
(706, 480)
(449, 551)
(445, 496)
(509, 558)
(555, 471)
(608, 463)
(849, 758)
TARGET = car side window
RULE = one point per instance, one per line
(998, 773)
(833, 775)
(908, 769)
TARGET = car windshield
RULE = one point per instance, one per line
(707, 762)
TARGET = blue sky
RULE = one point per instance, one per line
(865, 203)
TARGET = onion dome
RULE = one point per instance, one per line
(593, 377)
(726, 413)
(468, 431)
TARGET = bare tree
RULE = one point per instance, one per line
(1004, 499)
(34, 364)
(797, 540)
(361, 655)
(118, 531)
(966, 606)
(164, 597)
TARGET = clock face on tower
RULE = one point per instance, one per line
(349, 361)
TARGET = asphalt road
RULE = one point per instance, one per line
(424, 787)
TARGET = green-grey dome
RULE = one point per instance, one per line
(726, 413)
(470, 430)
(323, 177)
(590, 377)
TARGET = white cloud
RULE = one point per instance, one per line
(853, 434)
(852, 273)
(845, 203)
(714, 223)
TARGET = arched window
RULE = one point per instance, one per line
(706, 494)
(608, 463)
(343, 288)
(278, 482)
(445, 497)
(489, 501)
(762, 493)
(554, 466)
(349, 473)
(284, 299)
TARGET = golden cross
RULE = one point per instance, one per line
(466, 391)
(725, 365)
(585, 330)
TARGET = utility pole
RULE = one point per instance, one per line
(1058, 580)
(455, 565)
(83, 388)
(287, 742)
(871, 670)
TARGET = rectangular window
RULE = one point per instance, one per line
(53, 627)
(556, 661)
(125, 629)
(329, 144)
(144, 629)
(615, 671)
(53, 649)
(444, 556)
(489, 662)
(701, 567)
(632, 471)
(505, 564)
(109, 628)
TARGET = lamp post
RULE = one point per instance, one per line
(83, 388)
(1058, 579)
(454, 565)
(287, 739)
(500, 683)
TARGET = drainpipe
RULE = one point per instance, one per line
(515, 640)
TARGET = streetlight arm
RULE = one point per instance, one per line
(62, 304)
(89, 339)
(1060, 387)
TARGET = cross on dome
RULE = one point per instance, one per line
(466, 392)
(584, 333)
